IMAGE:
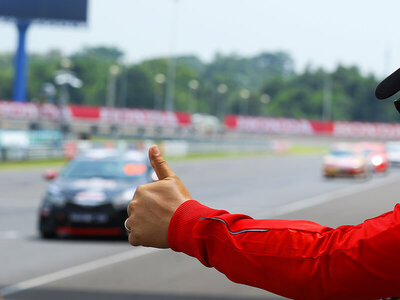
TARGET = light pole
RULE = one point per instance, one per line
(327, 99)
(113, 72)
(49, 91)
(245, 95)
(171, 72)
(65, 79)
(265, 99)
(222, 89)
(160, 80)
(193, 86)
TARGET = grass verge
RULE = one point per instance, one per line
(54, 163)
(295, 150)
(41, 163)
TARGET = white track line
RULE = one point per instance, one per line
(324, 198)
(113, 259)
(86, 267)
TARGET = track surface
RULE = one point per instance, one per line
(283, 186)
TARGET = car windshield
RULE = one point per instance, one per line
(341, 153)
(110, 169)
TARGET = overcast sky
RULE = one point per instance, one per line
(320, 33)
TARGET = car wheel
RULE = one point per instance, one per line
(48, 234)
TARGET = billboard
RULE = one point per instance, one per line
(45, 10)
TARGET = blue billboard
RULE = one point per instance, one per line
(74, 11)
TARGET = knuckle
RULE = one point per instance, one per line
(131, 206)
(139, 189)
(136, 235)
(132, 240)
(175, 177)
(161, 162)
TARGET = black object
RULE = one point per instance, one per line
(397, 104)
(388, 87)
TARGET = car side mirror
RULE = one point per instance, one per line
(50, 174)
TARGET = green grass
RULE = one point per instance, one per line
(302, 149)
(294, 150)
(42, 163)
(217, 155)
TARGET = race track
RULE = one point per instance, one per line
(268, 187)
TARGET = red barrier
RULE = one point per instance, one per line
(156, 118)
(131, 116)
(311, 127)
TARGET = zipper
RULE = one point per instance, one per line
(235, 232)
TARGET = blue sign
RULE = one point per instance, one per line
(45, 10)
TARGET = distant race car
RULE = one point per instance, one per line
(376, 155)
(344, 160)
(393, 153)
(91, 194)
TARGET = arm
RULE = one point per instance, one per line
(296, 259)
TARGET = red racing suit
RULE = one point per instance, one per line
(295, 259)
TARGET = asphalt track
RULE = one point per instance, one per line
(270, 187)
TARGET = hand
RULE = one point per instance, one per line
(153, 205)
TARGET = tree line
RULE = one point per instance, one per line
(266, 84)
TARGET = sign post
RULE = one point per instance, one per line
(20, 62)
(26, 12)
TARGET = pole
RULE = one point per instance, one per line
(171, 72)
(20, 62)
(327, 99)
(112, 85)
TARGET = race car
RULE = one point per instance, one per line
(344, 160)
(91, 194)
(376, 155)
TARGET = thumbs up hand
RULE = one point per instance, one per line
(153, 205)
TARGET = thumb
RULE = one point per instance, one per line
(159, 164)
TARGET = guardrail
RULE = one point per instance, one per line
(31, 153)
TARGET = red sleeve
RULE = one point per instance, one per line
(295, 259)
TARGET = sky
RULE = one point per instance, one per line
(314, 32)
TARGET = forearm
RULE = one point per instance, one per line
(297, 259)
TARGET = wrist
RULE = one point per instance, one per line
(180, 231)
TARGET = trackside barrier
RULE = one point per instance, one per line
(30, 153)
(98, 117)
(103, 115)
(304, 127)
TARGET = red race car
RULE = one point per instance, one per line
(376, 155)
(344, 160)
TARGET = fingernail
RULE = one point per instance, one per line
(155, 150)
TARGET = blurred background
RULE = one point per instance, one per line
(265, 108)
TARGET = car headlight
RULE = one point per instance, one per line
(55, 196)
(377, 160)
(123, 199)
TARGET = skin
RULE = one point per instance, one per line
(153, 205)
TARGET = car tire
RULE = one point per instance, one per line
(48, 235)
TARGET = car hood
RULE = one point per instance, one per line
(347, 161)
